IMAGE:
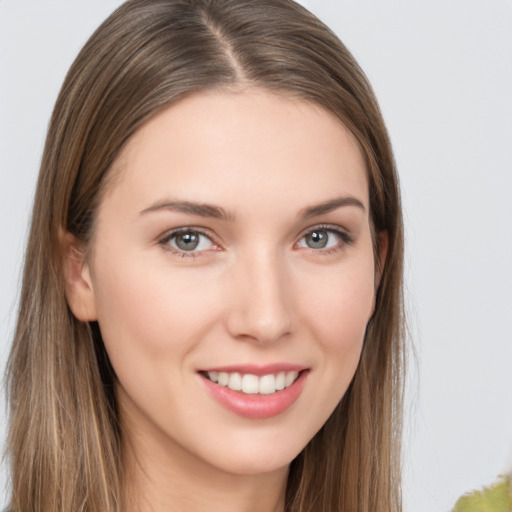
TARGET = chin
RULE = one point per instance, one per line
(255, 460)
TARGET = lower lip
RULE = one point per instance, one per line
(257, 406)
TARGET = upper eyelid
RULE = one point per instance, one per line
(327, 227)
(186, 229)
(344, 235)
(165, 239)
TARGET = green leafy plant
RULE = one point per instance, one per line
(497, 498)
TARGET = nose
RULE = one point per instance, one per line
(261, 300)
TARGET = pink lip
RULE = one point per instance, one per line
(256, 406)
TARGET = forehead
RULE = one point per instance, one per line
(238, 145)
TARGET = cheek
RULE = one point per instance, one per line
(338, 313)
(341, 307)
(146, 309)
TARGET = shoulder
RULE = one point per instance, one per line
(497, 498)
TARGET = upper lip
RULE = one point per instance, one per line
(257, 370)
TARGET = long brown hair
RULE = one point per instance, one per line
(64, 437)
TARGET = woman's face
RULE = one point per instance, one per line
(232, 250)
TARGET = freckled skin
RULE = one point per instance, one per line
(253, 293)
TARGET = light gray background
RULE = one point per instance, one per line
(442, 70)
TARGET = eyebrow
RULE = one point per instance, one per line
(189, 207)
(217, 212)
(329, 206)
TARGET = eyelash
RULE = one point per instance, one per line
(343, 237)
(164, 241)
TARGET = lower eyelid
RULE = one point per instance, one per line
(165, 242)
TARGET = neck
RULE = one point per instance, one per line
(165, 480)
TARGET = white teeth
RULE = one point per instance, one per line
(235, 382)
(252, 384)
(223, 379)
(213, 376)
(290, 378)
(267, 385)
(280, 381)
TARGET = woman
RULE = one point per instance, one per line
(211, 306)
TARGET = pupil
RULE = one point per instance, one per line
(317, 239)
(187, 241)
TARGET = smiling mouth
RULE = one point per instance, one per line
(250, 384)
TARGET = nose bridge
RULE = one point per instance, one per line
(262, 302)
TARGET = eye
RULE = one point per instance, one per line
(322, 238)
(188, 241)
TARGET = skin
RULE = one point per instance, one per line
(252, 292)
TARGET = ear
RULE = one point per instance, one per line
(79, 290)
